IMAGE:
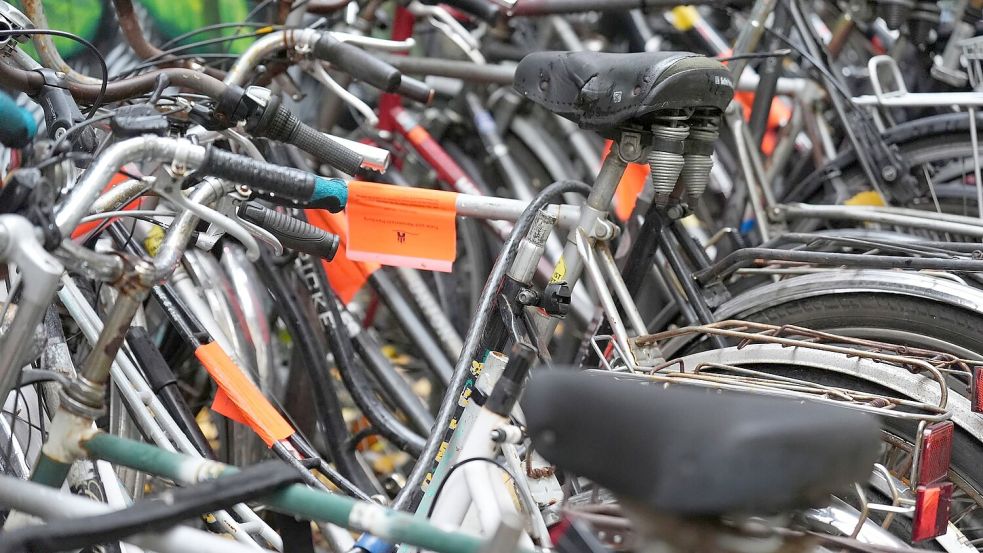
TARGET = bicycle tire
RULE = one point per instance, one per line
(907, 137)
(967, 444)
(873, 313)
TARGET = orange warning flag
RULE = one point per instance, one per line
(347, 277)
(402, 226)
(239, 399)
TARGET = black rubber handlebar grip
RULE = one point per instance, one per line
(278, 123)
(358, 63)
(279, 183)
(416, 90)
(293, 233)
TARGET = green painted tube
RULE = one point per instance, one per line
(296, 500)
(49, 472)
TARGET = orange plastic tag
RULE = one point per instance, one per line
(630, 186)
(239, 399)
(223, 405)
(347, 277)
(402, 226)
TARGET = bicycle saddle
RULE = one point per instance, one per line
(693, 452)
(604, 91)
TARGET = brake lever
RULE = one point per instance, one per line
(374, 43)
(168, 186)
(444, 22)
(230, 207)
(315, 69)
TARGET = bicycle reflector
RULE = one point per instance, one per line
(932, 503)
(936, 453)
(976, 390)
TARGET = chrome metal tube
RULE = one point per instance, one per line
(119, 195)
(505, 209)
(85, 192)
(938, 222)
(97, 266)
(39, 273)
(171, 250)
(244, 65)
(442, 327)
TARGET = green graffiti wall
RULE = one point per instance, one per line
(167, 19)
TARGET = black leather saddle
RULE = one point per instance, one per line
(693, 452)
(604, 91)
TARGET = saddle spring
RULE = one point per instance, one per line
(703, 132)
(666, 159)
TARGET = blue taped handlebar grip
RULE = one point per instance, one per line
(17, 125)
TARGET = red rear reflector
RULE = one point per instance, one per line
(976, 390)
(936, 453)
(931, 511)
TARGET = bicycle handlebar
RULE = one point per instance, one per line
(31, 82)
(293, 233)
(282, 183)
(357, 62)
(464, 70)
(287, 183)
(481, 9)
(556, 7)
(278, 123)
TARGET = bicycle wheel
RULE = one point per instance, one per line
(907, 320)
(940, 152)
(966, 468)
(914, 309)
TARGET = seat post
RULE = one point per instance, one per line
(570, 265)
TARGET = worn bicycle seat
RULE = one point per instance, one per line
(693, 452)
(605, 91)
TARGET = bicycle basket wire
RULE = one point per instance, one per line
(973, 54)
(721, 373)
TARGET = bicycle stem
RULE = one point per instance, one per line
(82, 401)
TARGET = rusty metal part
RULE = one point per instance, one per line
(34, 9)
(283, 8)
(928, 363)
(31, 82)
(137, 40)
(84, 396)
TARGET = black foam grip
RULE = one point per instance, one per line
(284, 182)
(416, 90)
(284, 126)
(293, 233)
(358, 63)
(326, 150)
